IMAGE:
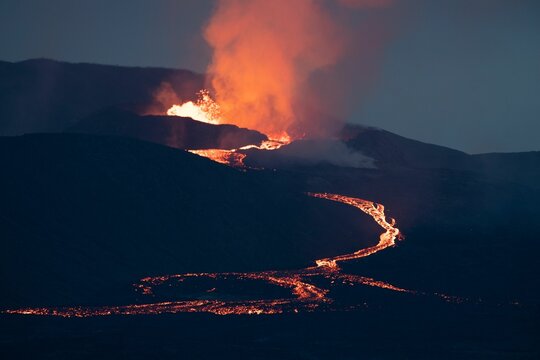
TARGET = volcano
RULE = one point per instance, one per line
(113, 233)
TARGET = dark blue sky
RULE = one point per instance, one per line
(464, 74)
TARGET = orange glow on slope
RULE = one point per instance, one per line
(235, 158)
(226, 157)
(272, 144)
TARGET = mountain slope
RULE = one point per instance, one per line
(84, 217)
(49, 96)
(391, 150)
(173, 131)
(363, 147)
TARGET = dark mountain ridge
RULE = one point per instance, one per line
(173, 131)
(387, 151)
(43, 95)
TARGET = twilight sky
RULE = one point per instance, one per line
(459, 73)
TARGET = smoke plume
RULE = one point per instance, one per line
(333, 152)
(271, 63)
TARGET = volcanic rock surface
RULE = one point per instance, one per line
(173, 131)
(84, 217)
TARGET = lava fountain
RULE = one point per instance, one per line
(204, 109)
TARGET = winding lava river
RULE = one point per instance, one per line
(304, 295)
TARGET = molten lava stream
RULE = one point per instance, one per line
(226, 157)
(234, 158)
(376, 211)
(304, 296)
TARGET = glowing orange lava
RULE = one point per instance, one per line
(235, 157)
(304, 295)
(204, 109)
(376, 211)
(207, 110)
(227, 157)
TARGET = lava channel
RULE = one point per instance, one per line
(305, 296)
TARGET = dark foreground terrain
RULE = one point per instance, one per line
(388, 331)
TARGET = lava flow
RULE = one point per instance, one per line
(304, 296)
(227, 157)
(235, 158)
(376, 211)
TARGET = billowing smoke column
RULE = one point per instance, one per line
(264, 53)
(272, 66)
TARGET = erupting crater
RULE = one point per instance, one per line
(205, 109)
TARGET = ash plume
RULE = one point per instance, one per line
(311, 152)
(273, 64)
